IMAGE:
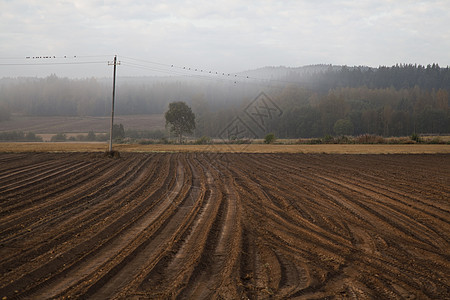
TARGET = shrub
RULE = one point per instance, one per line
(203, 140)
(328, 139)
(405, 140)
(343, 139)
(415, 137)
(32, 137)
(118, 132)
(315, 141)
(369, 139)
(102, 137)
(59, 137)
(91, 136)
(146, 142)
(164, 140)
(436, 140)
(269, 138)
(243, 141)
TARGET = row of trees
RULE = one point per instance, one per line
(386, 112)
(19, 136)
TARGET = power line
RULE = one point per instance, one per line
(189, 69)
(52, 63)
(55, 56)
(219, 77)
(170, 72)
(49, 60)
(143, 64)
(190, 72)
(206, 73)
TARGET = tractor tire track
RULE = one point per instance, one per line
(229, 226)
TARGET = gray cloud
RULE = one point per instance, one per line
(226, 35)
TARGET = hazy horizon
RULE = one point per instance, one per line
(82, 36)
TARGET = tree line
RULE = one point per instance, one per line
(388, 101)
(384, 111)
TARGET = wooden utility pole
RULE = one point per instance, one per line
(115, 63)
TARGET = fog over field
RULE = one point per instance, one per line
(306, 102)
(328, 68)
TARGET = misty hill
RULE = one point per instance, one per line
(325, 77)
(282, 72)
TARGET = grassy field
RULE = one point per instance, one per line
(252, 148)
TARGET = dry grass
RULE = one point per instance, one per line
(251, 148)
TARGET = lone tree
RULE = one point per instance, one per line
(180, 118)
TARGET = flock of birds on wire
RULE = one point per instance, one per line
(148, 65)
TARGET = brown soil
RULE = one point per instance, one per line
(233, 226)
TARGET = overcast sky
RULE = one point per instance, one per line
(227, 36)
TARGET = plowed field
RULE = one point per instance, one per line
(207, 226)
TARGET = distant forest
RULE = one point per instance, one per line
(315, 100)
